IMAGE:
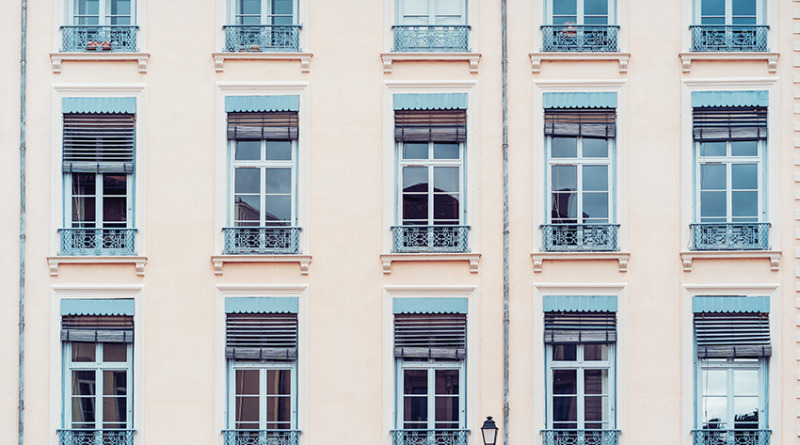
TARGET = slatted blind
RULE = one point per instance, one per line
(98, 142)
(261, 337)
(734, 123)
(275, 126)
(430, 125)
(584, 122)
(732, 334)
(441, 336)
(580, 327)
(97, 328)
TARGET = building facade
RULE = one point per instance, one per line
(651, 185)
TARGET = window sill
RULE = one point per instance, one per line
(220, 260)
(388, 258)
(304, 58)
(100, 56)
(770, 58)
(537, 58)
(774, 256)
(137, 261)
(389, 58)
(539, 257)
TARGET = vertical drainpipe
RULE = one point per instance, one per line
(22, 62)
(505, 224)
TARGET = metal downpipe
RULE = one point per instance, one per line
(505, 223)
(22, 149)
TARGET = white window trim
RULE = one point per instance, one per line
(64, 292)
(771, 161)
(390, 9)
(59, 91)
(771, 290)
(620, 290)
(471, 421)
(470, 165)
(221, 208)
(223, 17)
(540, 198)
(223, 291)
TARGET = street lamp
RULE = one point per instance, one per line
(489, 431)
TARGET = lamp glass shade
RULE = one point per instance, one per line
(489, 431)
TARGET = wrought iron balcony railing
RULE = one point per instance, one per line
(99, 242)
(260, 437)
(85, 38)
(731, 437)
(95, 437)
(431, 39)
(416, 239)
(429, 437)
(735, 236)
(261, 240)
(580, 237)
(580, 38)
(580, 437)
(262, 38)
(729, 38)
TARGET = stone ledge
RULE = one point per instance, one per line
(388, 258)
(389, 58)
(140, 58)
(537, 58)
(220, 260)
(770, 58)
(304, 58)
(539, 257)
(774, 256)
(137, 261)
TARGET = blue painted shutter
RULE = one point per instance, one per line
(442, 336)
(580, 327)
(98, 142)
(729, 124)
(261, 336)
(271, 125)
(581, 122)
(430, 125)
(732, 334)
(97, 328)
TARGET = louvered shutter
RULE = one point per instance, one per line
(732, 334)
(580, 327)
(582, 122)
(727, 124)
(261, 337)
(101, 143)
(97, 328)
(274, 126)
(442, 336)
(430, 125)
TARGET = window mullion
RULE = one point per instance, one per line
(431, 398)
(262, 399)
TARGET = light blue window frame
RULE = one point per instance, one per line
(705, 15)
(431, 165)
(559, 12)
(262, 367)
(100, 12)
(268, 13)
(432, 14)
(704, 368)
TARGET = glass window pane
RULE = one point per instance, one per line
(565, 20)
(88, 7)
(120, 7)
(744, 204)
(415, 381)
(565, 353)
(565, 208)
(445, 207)
(712, 7)
(250, 6)
(565, 409)
(565, 7)
(745, 382)
(247, 409)
(713, 177)
(712, 204)
(247, 180)
(278, 180)
(565, 381)
(83, 184)
(415, 7)
(744, 20)
(595, 177)
(83, 210)
(565, 178)
(595, 7)
(115, 209)
(713, 149)
(595, 381)
(714, 412)
(448, 7)
(744, 176)
(447, 411)
(246, 426)
(279, 150)
(712, 21)
(744, 148)
(743, 7)
(282, 20)
(115, 383)
(115, 352)
(595, 352)
(595, 205)
(115, 184)
(415, 151)
(446, 179)
(447, 381)
(745, 412)
(595, 409)
(247, 208)
(415, 409)
(595, 148)
(248, 150)
(415, 179)
(282, 7)
(83, 412)
(114, 411)
(277, 208)
(247, 382)
(595, 20)
(564, 147)
(279, 409)
(415, 207)
(445, 151)
(714, 382)
(279, 382)
(83, 383)
(83, 352)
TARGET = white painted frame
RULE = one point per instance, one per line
(771, 158)
(221, 144)
(761, 366)
(540, 167)
(470, 391)
(768, 15)
(221, 363)
(470, 150)
(430, 163)
(539, 399)
(57, 184)
(99, 195)
(56, 365)
(771, 290)
(392, 17)
(225, 14)
(617, 15)
(62, 13)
